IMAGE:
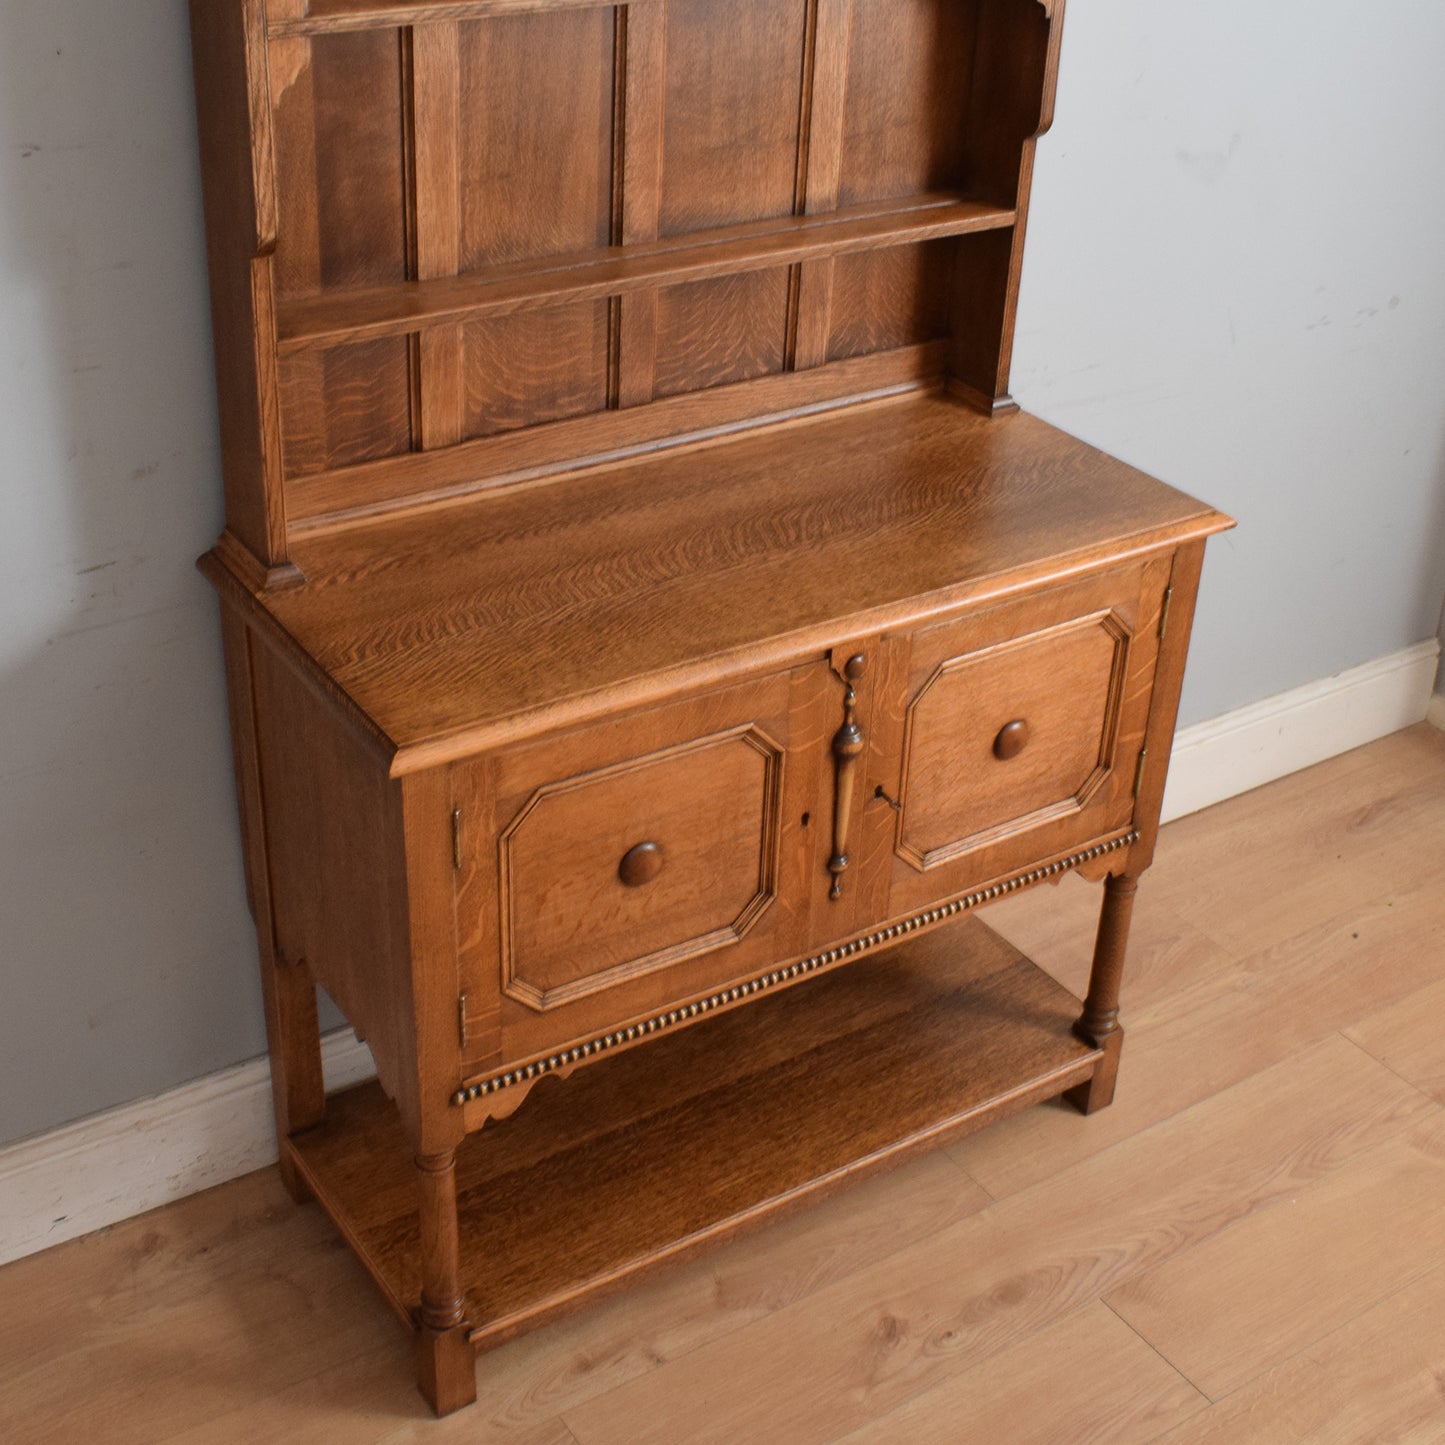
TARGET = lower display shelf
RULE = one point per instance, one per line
(659, 1152)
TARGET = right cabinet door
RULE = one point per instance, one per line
(1010, 736)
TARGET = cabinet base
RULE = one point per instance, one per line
(665, 1150)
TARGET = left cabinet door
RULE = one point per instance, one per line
(627, 866)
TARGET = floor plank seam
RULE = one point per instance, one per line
(1285, 1200)
(1320, 1341)
(1389, 1068)
(956, 1163)
(1144, 1339)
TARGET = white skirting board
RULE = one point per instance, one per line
(1255, 745)
(87, 1175)
(84, 1176)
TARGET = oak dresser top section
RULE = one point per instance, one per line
(454, 628)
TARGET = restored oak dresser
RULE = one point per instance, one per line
(651, 629)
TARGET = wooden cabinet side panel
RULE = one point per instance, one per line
(336, 858)
(288, 992)
(1177, 626)
(236, 171)
(1016, 68)
(424, 1092)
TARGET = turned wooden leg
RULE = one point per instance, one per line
(1099, 1023)
(446, 1364)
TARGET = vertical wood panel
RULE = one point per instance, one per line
(909, 73)
(883, 300)
(710, 333)
(344, 406)
(643, 30)
(536, 135)
(296, 263)
(357, 132)
(535, 367)
(342, 205)
(537, 115)
(436, 125)
(821, 167)
(730, 140)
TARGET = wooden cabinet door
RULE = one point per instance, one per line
(1009, 737)
(636, 863)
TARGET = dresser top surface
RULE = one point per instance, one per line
(457, 627)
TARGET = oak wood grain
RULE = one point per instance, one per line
(238, 183)
(435, 139)
(609, 374)
(336, 880)
(356, 495)
(320, 321)
(674, 1178)
(825, 85)
(715, 784)
(909, 79)
(442, 629)
(288, 988)
(885, 299)
(731, 329)
(638, 134)
(731, 127)
(329, 16)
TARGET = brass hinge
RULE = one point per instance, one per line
(462, 1020)
(457, 838)
(1164, 612)
(1139, 772)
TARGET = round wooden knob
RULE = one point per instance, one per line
(1012, 740)
(855, 667)
(640, 864)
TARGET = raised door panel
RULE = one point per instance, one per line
(631, 865)
(1011, 737)
(613, 873)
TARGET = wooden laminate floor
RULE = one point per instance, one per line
(1249, 1246)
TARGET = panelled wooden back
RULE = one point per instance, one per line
(489, 239)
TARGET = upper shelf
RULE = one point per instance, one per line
(330, 318)
(325, 16)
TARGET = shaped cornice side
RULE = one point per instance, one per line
(1054, 19)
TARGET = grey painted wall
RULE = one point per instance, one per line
(1233, 281)
(125, 937)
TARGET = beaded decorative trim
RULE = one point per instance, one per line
(673, 1017)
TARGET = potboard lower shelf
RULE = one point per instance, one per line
(651, 1155)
